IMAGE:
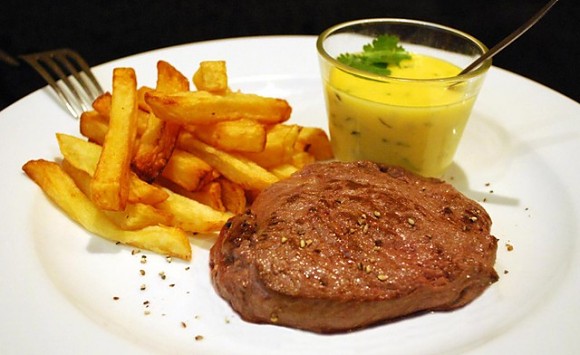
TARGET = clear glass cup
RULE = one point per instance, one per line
(413, 123)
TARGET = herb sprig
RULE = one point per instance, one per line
(376, 57)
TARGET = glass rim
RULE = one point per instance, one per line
(480, 70)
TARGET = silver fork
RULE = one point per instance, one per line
(69, 75)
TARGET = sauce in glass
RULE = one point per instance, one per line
(413, 124)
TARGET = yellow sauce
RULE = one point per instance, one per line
(405, 123)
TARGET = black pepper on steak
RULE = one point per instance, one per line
(341, 246)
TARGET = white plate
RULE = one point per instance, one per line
(57, 282)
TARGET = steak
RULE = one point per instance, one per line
(341, 246)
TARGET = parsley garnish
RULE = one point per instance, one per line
(385, 50)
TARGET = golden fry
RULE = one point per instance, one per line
(279, 146)
(212, 77)
(187, 170)
(301, 159)
(202, 108)
(61, 189)
(142, 120)
(162, 162)
(237, 169)
(110, 184)
(191, 215)
(234, 136)
(102, 104)
(81, 178)
(94, 126)
(158, 140)
(85, 155)
(143, 106)
(135, 216)
(313, 140)
(169, 79)
(233, 196)
(153, 151)
(284, 171)
(81, 154)
(138, 216)
(210, 195)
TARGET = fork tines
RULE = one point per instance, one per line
(70, 77)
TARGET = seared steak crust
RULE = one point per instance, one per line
(340, 246)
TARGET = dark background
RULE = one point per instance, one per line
(106, 30)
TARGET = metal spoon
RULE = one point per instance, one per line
(512, 37)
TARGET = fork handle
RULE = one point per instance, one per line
(8, 59)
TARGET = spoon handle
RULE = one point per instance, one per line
(512, 37)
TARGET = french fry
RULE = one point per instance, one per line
(142, 120)
(61, 189)
(191, 215)
(233, 196)
(158, 140)
(284, 171)
(94, 126)
(135, 216)
(237, 169)
(212, 76)
(102, 104)
(162, 162)
(279, 146)
(85, 155)
(234, 136)
(138, 216)
(140, 191)
(169, 79)
(141, 98)
(187, 170)
(154, 148)
(210, 195)
(110, 183)
(313, 140)
(81, 154)
(81, 178)
(301, 159)
(202, 108)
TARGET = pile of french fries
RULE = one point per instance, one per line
(158, 165)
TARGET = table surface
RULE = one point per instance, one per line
(547, 53)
